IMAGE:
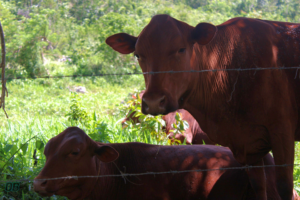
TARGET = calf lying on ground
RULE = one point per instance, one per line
(73, 153)
(193, 135)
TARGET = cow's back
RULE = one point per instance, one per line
(141, 158)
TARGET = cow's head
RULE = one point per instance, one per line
(165, 44)
(71, 153)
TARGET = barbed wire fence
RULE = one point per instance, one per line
(122, 174)
(158, 72)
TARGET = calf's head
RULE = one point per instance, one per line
(165, 44)
(72, 153)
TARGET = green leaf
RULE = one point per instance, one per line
(39, 144)
(13, 149)
(177, 117)
(8, 147)
(24, 148)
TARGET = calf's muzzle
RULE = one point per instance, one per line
(39, 186)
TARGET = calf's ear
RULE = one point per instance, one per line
(122, 43)
(106, 153)
(203, 33)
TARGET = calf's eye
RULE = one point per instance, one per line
(75, 153)
(137, 56)
(182, 50)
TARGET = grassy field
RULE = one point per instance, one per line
(38, 110)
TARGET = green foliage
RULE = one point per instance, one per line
(154, 124)
(179, 127)
(38, 32)
(77, 113)
(147, 123)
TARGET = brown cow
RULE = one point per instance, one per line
(250, 111)
(193, 135)
(73, 153)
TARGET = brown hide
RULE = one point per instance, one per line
(193, 135)
(73, 153)
(250, 111)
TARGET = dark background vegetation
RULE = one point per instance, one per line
(37, 31)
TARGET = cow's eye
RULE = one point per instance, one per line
(182, 50)
(137, 56)
(75, 152)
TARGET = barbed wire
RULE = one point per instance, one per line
(147, 173)
(158, 72)
(153, 173)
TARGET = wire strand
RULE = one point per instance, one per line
(148, 173)
(152, 73)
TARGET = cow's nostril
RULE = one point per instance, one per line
(43, 184)
(145, 105)
(162, 101)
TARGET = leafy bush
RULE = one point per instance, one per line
(77, 113)
(40, 31)
(153, 124)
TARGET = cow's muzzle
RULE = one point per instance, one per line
(39, 187)
(154, 106)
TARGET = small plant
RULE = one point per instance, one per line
(179, 127)
(99, 130)
(154, 124)
(145, 123)
(77, 113)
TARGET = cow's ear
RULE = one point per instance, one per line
(122, 43)
(203, 33)
(106, 153)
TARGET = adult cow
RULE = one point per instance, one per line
(250, 111)
(193, 134)
(73, 153)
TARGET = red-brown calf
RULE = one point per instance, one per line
(73, 153)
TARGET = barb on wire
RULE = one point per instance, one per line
(147, 173)
(152, 73)
(4, 89)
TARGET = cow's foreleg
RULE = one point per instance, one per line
(283, 151)
(258, 180)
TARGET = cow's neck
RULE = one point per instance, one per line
(106, 187)
(103, 187)
(213, 88)
(213, 93)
